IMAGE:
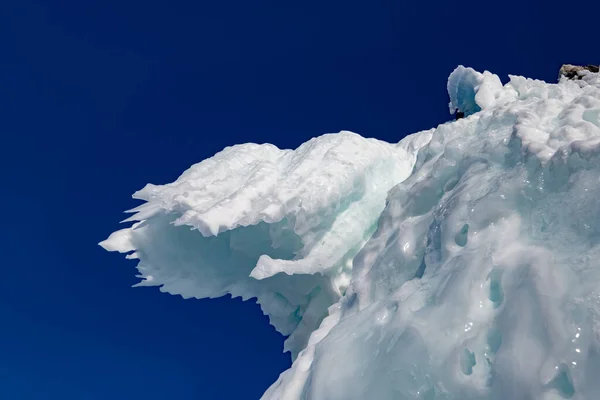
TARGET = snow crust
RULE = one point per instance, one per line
(461, 263)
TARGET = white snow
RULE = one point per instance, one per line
(460, 263)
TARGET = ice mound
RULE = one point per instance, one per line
(255, 221)
(471, 91)
(460, 263)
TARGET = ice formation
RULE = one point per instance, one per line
(461, 263)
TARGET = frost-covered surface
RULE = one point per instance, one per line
(460, 263)
(255, 221)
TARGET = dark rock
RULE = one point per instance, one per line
(593, 68)
(576, 71)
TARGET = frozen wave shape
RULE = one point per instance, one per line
(256, 221)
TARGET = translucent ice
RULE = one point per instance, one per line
(255, 221)
(460, 263)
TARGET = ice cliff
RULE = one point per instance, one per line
(461, 263)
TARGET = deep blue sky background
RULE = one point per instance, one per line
(97, 98)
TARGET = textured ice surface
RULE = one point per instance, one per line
(460, 263)
(255, 221)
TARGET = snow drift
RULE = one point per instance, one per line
(461, 263)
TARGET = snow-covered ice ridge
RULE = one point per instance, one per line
(461, 263)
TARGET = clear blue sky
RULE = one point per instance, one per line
(97, 98)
